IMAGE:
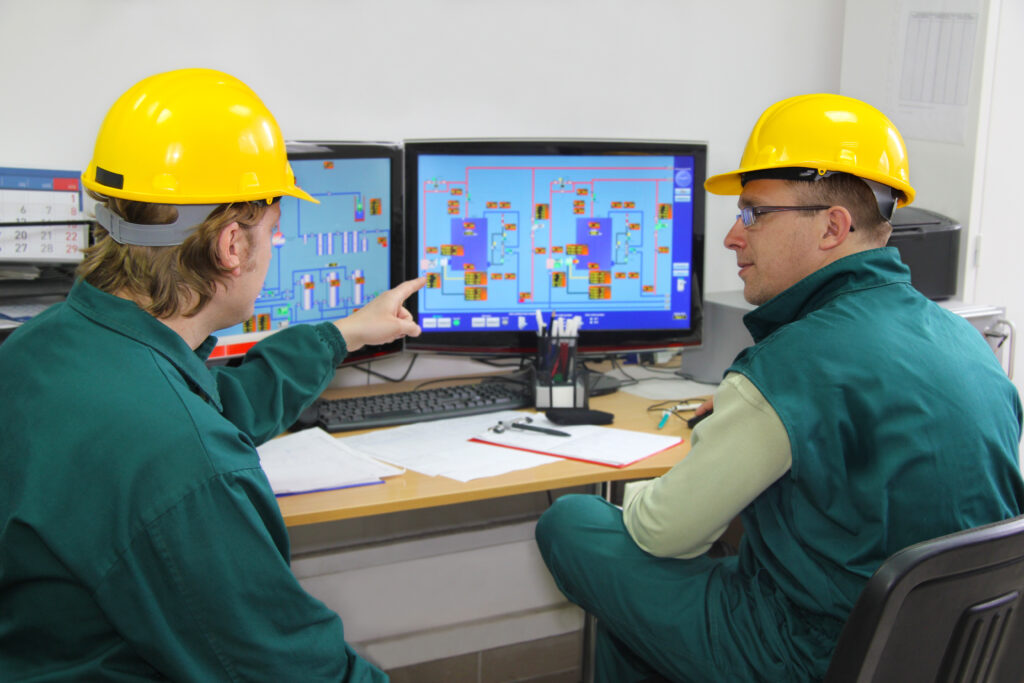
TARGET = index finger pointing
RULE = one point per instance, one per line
(409, 287)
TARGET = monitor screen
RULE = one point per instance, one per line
(610, 231)
(330, 258)
(41, 218)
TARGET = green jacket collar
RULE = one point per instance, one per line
(863, 270)
(126, 318)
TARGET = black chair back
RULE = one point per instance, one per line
(948, 609)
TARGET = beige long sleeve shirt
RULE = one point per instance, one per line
(735, 454)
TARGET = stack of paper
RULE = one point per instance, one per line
(313, 460)
(461, 448)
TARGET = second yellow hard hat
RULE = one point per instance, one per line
(825, 132)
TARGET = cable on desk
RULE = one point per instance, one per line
(669, 377)
(522, 362)
(670, 373)
(487, 378)
(664, 369)
(368, 371)
(674, 407)
(667, 407)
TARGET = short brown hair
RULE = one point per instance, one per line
(163, 280)
(852, 193)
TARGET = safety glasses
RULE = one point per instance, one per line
(749, 214)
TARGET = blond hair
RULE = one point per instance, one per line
(164, 281)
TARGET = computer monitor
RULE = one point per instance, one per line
(330, 258)
(608, 230)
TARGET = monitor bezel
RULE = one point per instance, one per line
(592, 343)
(342, 149)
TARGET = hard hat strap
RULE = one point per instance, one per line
(161, 235)
(886, 198)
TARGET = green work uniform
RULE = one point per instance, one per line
(902, 427)
(139, 537)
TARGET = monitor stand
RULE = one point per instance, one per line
(600, 384)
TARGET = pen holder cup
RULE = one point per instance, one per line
(560, 382)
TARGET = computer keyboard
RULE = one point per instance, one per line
(385, 410)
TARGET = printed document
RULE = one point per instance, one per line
(443, 448)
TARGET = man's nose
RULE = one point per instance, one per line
(734, 238)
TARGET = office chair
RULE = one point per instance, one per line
(947, 609)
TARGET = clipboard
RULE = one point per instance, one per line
(608, 446)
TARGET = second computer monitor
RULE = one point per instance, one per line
(330, 259)
(506, 230)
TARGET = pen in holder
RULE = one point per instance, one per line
(560, 380)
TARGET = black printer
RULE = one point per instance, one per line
(929, 243)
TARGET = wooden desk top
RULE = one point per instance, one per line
(413, 490)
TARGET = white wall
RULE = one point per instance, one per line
(973, 180)
(396, 69)
(996, 201)
(686, 69)
(873, 58)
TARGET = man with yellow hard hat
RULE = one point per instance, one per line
(139, 537)
(864, 418)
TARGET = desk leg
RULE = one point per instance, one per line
(606, 491)
(589, 636)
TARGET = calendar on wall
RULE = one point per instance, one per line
(41, 217)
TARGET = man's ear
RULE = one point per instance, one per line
(231, 248)
(837, 229)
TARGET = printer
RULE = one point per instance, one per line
(929, 244)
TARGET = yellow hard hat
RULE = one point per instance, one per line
(826, 133)
(192, 136)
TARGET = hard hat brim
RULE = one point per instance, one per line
(90, 182)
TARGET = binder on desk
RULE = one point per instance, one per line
(312, 460)
(607, 446)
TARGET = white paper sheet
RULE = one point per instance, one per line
(443, 448)
(934, 61)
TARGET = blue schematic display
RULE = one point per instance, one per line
(329, 259)
(605, 237)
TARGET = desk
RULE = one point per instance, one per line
(413, 490)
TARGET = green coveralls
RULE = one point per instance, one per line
(139, 538)
(902, 427)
